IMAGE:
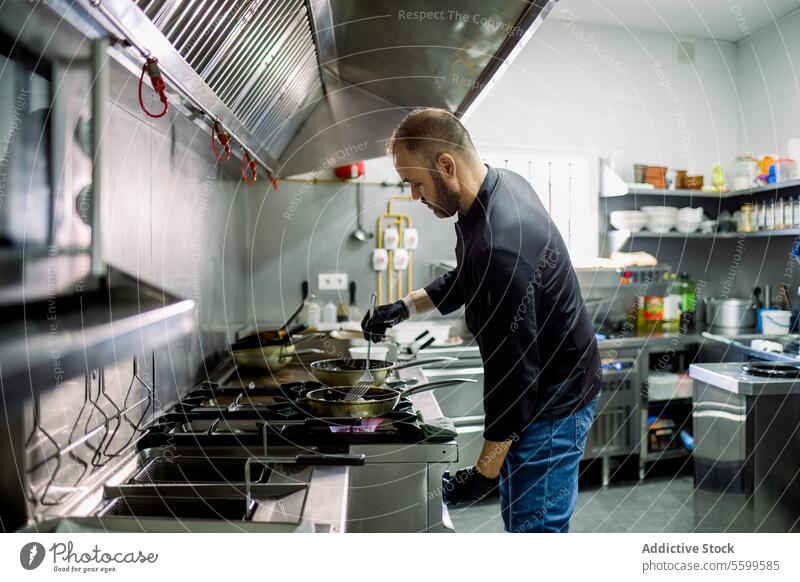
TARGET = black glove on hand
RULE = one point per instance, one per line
(375, 324)
(468, 486)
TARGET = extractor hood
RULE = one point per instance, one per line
(325, 81)
(380, 59)
(318, 82)
(305, 84)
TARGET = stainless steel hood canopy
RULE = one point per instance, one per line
(306, 84)
(319, 82)
(380, 58)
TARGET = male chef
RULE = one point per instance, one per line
(524, 307)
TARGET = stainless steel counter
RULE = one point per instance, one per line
(745, 456)
(676, 339)
(730, 377)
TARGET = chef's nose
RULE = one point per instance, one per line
(416, 193)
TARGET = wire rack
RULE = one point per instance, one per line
(82, 427)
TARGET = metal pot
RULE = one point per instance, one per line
(330, 402)
(347, 371)
(730, 314)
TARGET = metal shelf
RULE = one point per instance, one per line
(43, 344)
(678, 193)
(625, 234)
(701, 194)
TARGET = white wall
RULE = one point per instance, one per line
(619, 92)
(769, 87)
(576, 88)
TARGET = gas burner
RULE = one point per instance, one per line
(368, 425)
(225, 412)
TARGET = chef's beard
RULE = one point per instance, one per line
(447, 200)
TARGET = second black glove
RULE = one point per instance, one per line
(375, 324)
(468, 486)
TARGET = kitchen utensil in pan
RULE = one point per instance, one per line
(377, 401)
(366, 380)
(347, 371)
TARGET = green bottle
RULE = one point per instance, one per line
(688, 297)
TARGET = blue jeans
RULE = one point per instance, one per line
(539, 477)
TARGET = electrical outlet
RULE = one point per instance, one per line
(332, 281)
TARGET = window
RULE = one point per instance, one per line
(564, 185)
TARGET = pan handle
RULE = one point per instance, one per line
(307, 351)
(425, 362)
(303, 338)
(437, 384)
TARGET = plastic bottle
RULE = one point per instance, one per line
(761, 216)
(653, 312)
(788, 213)
(671, 317)
(312, 312)
(769, 222)
(329, 313)
(686, 288)
(796, 212)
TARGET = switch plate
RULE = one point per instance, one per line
(332, 281)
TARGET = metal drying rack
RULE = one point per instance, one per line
(109, 427)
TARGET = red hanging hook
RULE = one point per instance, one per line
(273, 179)
(248, 163)
(217, 133)
(151, 68)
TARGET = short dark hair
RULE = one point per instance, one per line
(430, 131)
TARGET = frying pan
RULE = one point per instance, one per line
(347, 371)
(330, 402)
(269, 357)
(272, 337)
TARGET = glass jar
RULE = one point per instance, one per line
(778, 224)
(796, 212)
(745, 172)
(788, 213)
(769, 219)
(761, 216)
(746, 217)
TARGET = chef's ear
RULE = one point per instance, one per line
(446, 166)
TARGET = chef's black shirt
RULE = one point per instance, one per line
(524, 307)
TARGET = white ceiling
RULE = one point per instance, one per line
(719, 19)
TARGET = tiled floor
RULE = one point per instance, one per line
(658, 504)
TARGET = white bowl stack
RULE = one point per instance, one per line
(661, 219)
(689, 220)
(632, 220)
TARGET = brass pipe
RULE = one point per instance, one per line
(399, 218)
(337, 181)
(398, 221)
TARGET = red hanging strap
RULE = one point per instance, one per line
(248, 169)
(151, 68)
(217, 133)
(273, 179)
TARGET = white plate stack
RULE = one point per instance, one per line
(632, 220)
(689, 219)
(660, 219)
